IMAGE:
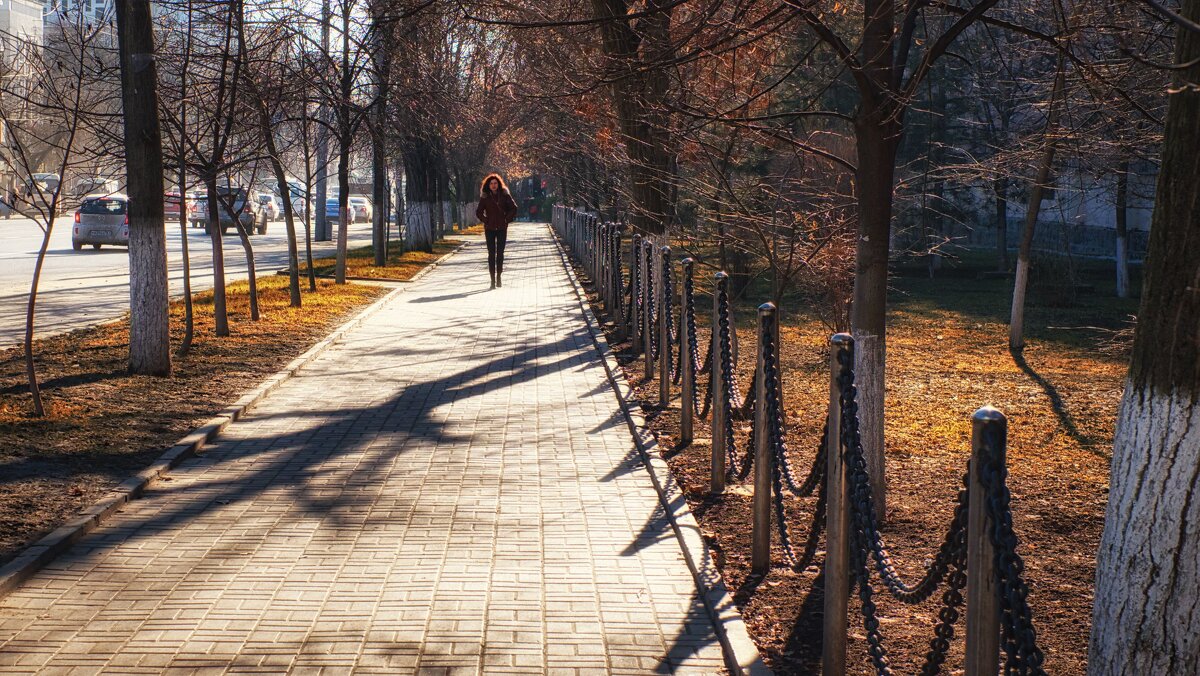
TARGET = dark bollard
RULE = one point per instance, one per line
(717, 485)
(687, 378)
(635, 298)
(664, 329)
(760, 540)
(837, 525)
(651, 289)
(989, 438)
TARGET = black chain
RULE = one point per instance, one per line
(1018, 636)
(665, 315)
(777, 444)
(864, 506)
(730, 397)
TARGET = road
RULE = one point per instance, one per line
(83, 288)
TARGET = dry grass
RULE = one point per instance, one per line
(401, 265)
(104, 424)
(947, 356)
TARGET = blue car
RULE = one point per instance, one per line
(331, 209)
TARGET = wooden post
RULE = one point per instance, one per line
(760, 547)
(687, 377)
(837, 525)
(989, 434)
(717, 485)
(664, 332)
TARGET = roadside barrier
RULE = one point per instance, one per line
(977, 566)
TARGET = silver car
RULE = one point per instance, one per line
(101, 219)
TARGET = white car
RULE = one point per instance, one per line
(100, 220)
(271, 208)
(361, 207)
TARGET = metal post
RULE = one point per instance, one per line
(635, 301)
(988, 440)
(664, 331)
(760, 547)
(651, 289)
(687, 378)
(837, 525)
(717, 484)
(618, 280)
(602, 240)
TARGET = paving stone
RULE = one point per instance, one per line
(448, 490)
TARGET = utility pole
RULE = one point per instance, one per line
(149, 327)
(322, 224)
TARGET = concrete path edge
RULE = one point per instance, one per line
(14, 573)
(741, 654)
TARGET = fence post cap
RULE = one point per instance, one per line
(766, 308)
(842, 340)
(665, 250)
(721, 276)
(988, 414)
(689, 261)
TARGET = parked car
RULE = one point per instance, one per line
(272, 209)
(332, 210)
(298, 207)
(361, 209)
(171, 204)
(245, 205)
(95, 185)
(100, 220)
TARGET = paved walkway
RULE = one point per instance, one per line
(450, 490)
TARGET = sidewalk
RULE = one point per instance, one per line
(452, 489)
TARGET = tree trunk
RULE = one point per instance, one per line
(343, 211)
(344, 141)
(877, 138)
(323, 230)
(248, 248)
(1147, 604)
(1000, 188)
(220, 312)
(189, 323)
(149, 319)
(289, 218)
(639, 85)
(1016, 325)
(30, 314)
(1123, 229)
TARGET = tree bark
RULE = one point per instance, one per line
(1147, 605)
(1122, 214)
(1016, 324)
(1000, 188)
(639, 85)
(220, 312)
(149, 325)
(344, 141)
(877, 139)
(323, 230)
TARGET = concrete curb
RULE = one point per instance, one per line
(14, 573)
(741, 655)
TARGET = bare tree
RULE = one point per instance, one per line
(149, 325)
(51, 102)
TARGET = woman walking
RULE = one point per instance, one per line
(496, 210)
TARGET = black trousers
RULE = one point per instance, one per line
(496, 239)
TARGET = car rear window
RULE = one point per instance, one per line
(105, 206)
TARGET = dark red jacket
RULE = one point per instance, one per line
(496, 211)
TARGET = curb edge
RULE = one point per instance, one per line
(741, 654)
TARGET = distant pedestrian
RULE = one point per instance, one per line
(496, 210)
